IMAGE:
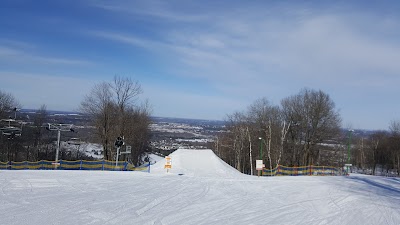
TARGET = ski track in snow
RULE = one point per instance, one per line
(208, 192)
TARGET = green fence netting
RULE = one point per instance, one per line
(72, 165)
(302, 171)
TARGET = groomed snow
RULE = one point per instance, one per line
(197, 163)
(209, 192)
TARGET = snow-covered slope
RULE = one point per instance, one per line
(198, 163)
(210, 192)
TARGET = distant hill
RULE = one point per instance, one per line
(195, 122)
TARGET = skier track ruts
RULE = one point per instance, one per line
(209, 192)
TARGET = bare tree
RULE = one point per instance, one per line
(395, 144)
(39, 118)
(359, 154)
(285, 129)
(245, 128)
(7, 143)
(32, 139)
(250, 150)
(7, 104)
(126, 91)
(381, 150)
(109, 105)
(136, 130)
(237, 123)
(100, 106)
(267, 118)
(314, 120)
(377, 141)
(289, 134)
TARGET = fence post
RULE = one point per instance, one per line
(125, 166)
(102, 165)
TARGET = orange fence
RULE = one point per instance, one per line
(302, 171)
(72, 165)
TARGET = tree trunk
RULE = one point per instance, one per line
(283, 136)
(250, 152)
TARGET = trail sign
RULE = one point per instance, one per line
(168, 163)
(259, 165)
(128, 149)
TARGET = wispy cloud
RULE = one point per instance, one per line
(324, 47)
(34, 90)
(247, 51)
(159, 10)
(231, 52)
(23, 53)
(191, 105)
(6, 51)
(330, 44)
(16, 44)
(207, 58)
(127, 39)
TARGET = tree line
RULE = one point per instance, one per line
(31, 146)
(304, 129)
(378, 152)
(113, 111)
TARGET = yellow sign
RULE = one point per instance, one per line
(168, 163)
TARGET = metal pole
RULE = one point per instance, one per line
(260, 156)
(348, 148)
(261, 148)
(348, 151)
(116, 162)
(58, 148)
(149, 165)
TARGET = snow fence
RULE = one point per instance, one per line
(72, 165)
(303, 171)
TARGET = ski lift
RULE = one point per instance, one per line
(11, 133)
(8, 128)
(7, 122)
(11, 122)
(74, 141)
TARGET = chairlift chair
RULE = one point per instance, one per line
(74, 141)
(11, 124)
(8, 129)
(11, 134)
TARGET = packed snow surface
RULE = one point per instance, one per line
(199, 189)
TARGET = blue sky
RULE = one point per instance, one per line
(206, 59)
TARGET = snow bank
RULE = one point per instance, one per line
(154, 158)
(196, 163)
(210, 192)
